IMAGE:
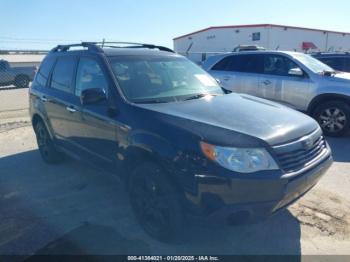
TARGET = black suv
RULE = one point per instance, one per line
(337, 60)
(184, 148)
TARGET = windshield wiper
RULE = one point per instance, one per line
(151, 101)
(198, 96)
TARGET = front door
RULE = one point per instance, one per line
(98, 134)
(278, 85)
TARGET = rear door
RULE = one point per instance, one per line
(240, 73)
(276, 84)
(62, 106)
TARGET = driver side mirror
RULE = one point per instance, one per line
(295, 72)
(92, 96)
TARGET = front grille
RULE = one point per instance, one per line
(301, 156)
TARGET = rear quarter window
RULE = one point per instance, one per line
(222, 64)
(44, 71)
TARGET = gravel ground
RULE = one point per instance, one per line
(72, 208)
(13, 105)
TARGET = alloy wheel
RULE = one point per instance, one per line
(150, 205)
(333, 119)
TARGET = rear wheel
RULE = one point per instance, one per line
(155, 202)
(22, 81)
(333, 117)
(46, 146)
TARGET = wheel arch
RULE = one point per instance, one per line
(146, 147)
(326, 98)
(38, 117)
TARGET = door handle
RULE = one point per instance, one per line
(267, 82)
(71, 109)
(43, 99)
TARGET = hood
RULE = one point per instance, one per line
(342, 77)
(248, 115)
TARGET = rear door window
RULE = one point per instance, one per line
(246, 64)
(62, 75)
(241, 63)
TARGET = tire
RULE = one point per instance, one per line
(155, 202)
(22, 81)
(46, 146)
(333, 117)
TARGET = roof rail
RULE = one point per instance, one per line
(97, 46)
(65, 48)
(331, 53)
(129, 45)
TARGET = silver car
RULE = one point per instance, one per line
(294, 79)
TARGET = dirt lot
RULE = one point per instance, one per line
(13, 104)
(73, 208)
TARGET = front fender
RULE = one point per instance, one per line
(147, 146)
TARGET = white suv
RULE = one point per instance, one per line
(294, 79)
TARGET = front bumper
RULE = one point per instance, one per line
(237, 201)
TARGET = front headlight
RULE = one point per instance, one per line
(242, 160)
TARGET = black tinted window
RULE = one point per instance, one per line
(337, 63)
(44, 71)
(278, 65)
(246, 64)
(241, 63)
(347, 68)
(63, 73)
(89, 75)
(222, 65)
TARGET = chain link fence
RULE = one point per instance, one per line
(18, 68)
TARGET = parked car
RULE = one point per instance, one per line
(18, 76)
(290, 78)
(183, 147)
(241, 48)
(337, 60)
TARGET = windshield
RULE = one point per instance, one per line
(155, 79)
(313, 64)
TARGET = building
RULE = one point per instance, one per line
(22, 58)
(198, 45)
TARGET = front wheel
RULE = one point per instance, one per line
(155, 202)
(333, 117)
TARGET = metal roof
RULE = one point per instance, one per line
(260, 25)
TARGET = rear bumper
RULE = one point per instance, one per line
(249, 201)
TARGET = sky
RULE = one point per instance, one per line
(42, 24)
